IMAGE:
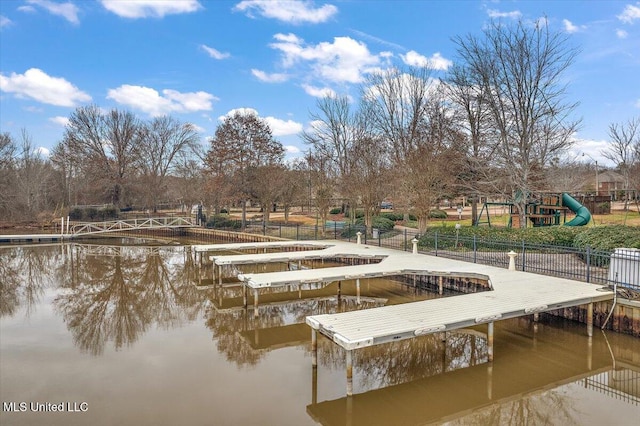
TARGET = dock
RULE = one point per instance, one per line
(512, 293)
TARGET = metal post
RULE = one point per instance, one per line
(349, 373)
(590, 319)
(405, 240)
(436, 242)
(475, 250)
(523, 256)
(588, 278)
(314, 348)
(490, 341)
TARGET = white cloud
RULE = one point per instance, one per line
(42, 151)
(36, 84)
(63, 121)
(343, 61)
(295, 12)
(630, 13)
(621, 33)
(153, 103)
(135, 9)
(497, 14)
(283, 128)
(4, 21)
(570, 27)
(214, 53)
(318, 92)
(27, 9)
(270, 78)
(198, 128)
(436, 61)
(278, 127)
(292, 149)
(68, 11)
(637, 104)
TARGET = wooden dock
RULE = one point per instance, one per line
(514, 294)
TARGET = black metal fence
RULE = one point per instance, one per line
(581, 264)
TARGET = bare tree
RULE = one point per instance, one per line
(32, 184)
(520, 70)
(334, 132)
(624, 149)
(241, 144)
(161, 142)
(7, 172)
(322, 184)
(106, 146)
(472, 113)
(394, 101)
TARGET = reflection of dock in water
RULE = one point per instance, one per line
(480, 394)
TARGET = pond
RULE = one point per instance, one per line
(135, 333)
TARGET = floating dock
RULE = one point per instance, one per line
(513, 293)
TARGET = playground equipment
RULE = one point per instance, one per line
(545, 211)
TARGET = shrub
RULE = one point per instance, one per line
(224, 211)
(223, 222)
(76, 214)
(91, 213)
(392, 216)
(609, 237)
(382, 223)
(438, 214)
(335, 210)
(110, 212)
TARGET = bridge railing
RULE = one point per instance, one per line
(87, 228)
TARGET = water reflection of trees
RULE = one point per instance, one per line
(229, 324)
(24, 277)
(118, 296)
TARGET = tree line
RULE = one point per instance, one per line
(498, 123)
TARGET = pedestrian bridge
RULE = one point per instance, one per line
(80, 229)
(72, 230)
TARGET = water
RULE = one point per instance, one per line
(123, 335)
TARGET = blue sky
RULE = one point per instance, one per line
(199, 60)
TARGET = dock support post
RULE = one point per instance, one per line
(490, 381)
(536, 317)
(220, 275)
(357, 290)
(440, 285)
(339, 289)
(255, 303)
(245, 289)
(349, 373)
(490, 341)
(590, 319)
(314, 385)
(314, 348)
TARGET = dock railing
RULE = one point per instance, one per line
(581, 264)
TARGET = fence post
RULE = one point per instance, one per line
(264, 227)
(405, 239)
(280, 230)
(316, 233)
(297, 231)
(436, 242)
(588, 264)
(379, 237)
(475, 250)
(335, 230)
(524, 258)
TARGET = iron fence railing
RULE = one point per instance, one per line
(581, 264)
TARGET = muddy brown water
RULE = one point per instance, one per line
(113, 334)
